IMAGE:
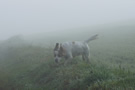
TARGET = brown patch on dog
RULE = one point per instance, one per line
(62, 51)
(73, 42)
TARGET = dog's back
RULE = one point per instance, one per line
(75, 48)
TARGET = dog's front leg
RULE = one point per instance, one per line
(68, 59)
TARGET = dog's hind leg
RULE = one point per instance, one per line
(87, 58)
(83, 57)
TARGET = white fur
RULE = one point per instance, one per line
(76, 49)
(72, 49)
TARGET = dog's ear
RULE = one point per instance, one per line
(61, 49)
(56, 46)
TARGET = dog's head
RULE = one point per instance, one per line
(58, 52)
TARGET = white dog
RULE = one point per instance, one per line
(69, 50)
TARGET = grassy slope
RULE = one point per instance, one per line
(112, 64)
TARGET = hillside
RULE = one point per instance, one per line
(119, 30)
(31, 66)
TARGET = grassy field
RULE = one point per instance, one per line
(31, 66)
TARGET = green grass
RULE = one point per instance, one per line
(34, 68)
(111, 67)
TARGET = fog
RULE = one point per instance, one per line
(30, 29)
(36, 16)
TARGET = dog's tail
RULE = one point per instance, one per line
(91, 38)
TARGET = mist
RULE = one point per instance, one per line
(30, 29)
(29, 17)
